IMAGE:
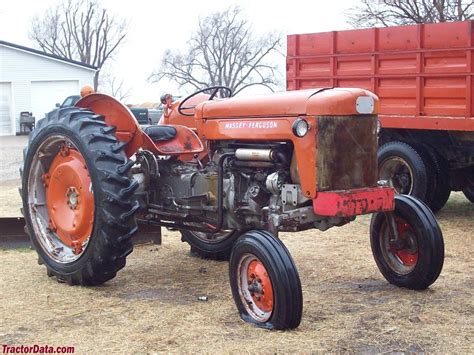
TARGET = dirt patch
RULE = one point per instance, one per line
(152, 305)
(11, 157)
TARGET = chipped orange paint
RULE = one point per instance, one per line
(317, 102)
(256, 118)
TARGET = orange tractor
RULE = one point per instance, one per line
(229, 174)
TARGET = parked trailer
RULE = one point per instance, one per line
(423, 75)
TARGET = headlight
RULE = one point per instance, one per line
(300, 127)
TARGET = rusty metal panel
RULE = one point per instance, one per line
(346, 152)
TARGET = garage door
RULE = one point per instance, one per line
(5, 109)
(45, 95)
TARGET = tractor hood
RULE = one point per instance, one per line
(319, 102)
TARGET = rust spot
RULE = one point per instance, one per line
(347, 152)
(188, 144)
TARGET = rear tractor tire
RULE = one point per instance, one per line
(415, 259)
(78, 197)
(264, 281)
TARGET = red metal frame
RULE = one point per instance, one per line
(422, 73)
(354, 202)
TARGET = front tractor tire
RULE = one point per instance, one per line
(413, 260)
(78, 197)
(265, 284)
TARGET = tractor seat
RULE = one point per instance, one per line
(160, 133)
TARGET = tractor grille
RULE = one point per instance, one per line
(346, 152)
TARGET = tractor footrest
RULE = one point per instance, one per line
(346, 203)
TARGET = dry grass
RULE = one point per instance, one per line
(152, 306)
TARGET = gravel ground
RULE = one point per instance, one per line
(151, 306)
(11, 158)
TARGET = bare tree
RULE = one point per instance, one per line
(402, 12)
(223, 51)
(115, 87)
(79, 30)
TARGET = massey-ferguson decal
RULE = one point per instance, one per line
(250, 125)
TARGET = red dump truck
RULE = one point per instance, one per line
(423, 75)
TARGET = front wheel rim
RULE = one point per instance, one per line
(60, 199)
(401, 255)
(255, 288)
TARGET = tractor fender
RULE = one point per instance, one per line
(118, 115)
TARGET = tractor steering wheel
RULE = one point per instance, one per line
(223, 90)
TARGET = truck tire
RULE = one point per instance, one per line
(265, 284)
(431, 173)
(443, 186)
(416, 260)
(401, 164)
(210, 246)
(78, 197)
(469, 193)
(438, 186)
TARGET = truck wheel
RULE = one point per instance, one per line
(416, 259)
(213, 246)
(264, 281)
(469, 193)
(78, 197)
(399, 163)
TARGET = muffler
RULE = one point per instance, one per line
(255, 154)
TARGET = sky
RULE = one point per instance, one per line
(155, 26)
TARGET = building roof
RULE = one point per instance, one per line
(48, 55)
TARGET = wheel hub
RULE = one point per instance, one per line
(260, 286)
(69, 198)
(404, 250)
(72, 197)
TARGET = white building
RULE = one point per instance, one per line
(34, 81)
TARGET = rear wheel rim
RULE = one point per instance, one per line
(399, 173)
(212, 238)
(402, 255)
(60, 199)
(255, 288)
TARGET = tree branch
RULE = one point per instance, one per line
(79, 30)
(222, 51)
